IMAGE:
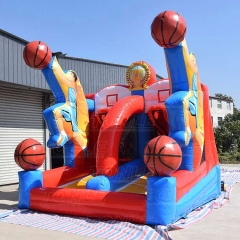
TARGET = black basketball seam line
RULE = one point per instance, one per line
(156, 38)
(161, 149)
(167, 155)
(19, 162)
(154, 149)
(159, 158)
(180, 36)
(21, 145)
(35, 56)
(43, 59)
(170, 143)
(162, 28)
(155, 145)
(29, 162)
(35, 144)
(168, 44)
(148, 155)
(159, 153)
(154, 164)
(25, 155)
(174, 29)
(15, 157)
(19, 151)
(25, 53)
(171, 44)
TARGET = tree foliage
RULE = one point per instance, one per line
(227, 137)
(223, 96)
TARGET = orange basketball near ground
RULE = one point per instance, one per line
(37, 55)
(163, 156)
(168, 29)
(29, 154)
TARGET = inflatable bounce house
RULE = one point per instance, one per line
(143, 152)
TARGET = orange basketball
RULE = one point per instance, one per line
(29, 154)
(37, 55)
(163, 156)
(168, 29)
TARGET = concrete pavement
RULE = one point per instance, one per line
(220, 224)
(9, 201)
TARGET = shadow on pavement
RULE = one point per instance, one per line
(8, 200)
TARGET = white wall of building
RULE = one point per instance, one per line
(219, 109)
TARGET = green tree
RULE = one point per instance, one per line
(227, 137)
(223, 96)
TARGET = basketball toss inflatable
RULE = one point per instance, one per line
(143, 152)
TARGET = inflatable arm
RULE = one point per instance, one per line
(185, 105)
(68, 119)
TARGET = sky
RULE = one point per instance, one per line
(118, 31)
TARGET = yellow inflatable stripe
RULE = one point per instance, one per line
(138, 187)
(79, 184)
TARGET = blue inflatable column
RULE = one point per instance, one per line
(69, 154)
(27, 181)
(161, 200)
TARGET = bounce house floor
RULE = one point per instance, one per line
(137, 186)
(78, 184)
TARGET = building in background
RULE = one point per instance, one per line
(219, 108)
